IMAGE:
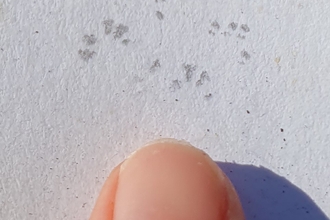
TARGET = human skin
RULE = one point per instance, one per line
(168, 180)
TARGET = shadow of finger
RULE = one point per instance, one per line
(268, 196)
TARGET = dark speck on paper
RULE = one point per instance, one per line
(247, 111)
(226, 33)
(282, 129)
(208, 96)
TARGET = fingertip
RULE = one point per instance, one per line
(168, 179)
(104, 207)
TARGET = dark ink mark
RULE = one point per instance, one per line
(233, 25)
(215, 24)
(208, 96)
(108, 26)
(2, 49)
(160, 1)
(282, 129)
(120, 31)
(176, 100)
(247, 111)
(37, 32)
(86, 54)
(83, 205)
(284, 139)
(176, 84)
(189, 69)
(241, 36)
(126, 41)
(245, 54)
(155, 65)
(89, 39)
(159, 15)
(208, 130)
(245, 28)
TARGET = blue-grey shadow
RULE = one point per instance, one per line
(268, 196)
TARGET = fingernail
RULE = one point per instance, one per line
(169, 180)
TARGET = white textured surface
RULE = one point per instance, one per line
(65, 121)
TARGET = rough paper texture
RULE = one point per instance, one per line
(84, 83)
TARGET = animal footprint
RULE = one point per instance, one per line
(215, 27)
(155, 65)
(176, 84)
(203, 77)
(89, 39)
(108, 26)
(189, 69)
(118, 32)
(245, 28)
(86, 54)
(245, 55)
(233, 26)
